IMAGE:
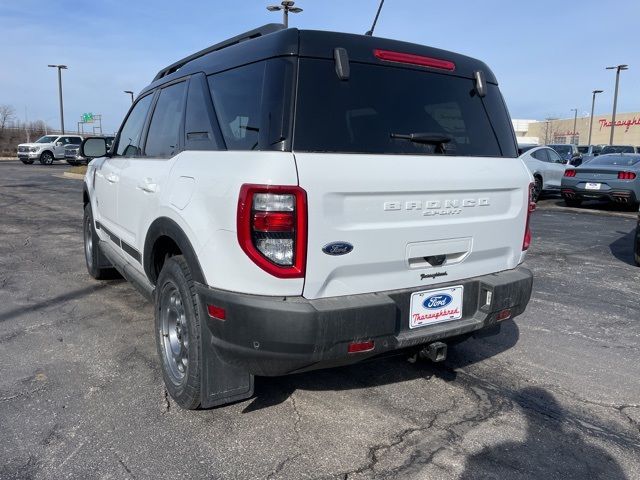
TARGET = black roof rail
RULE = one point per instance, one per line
(255, 33)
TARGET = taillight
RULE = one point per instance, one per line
(626, 176)
(272, 228)
(569, 173)
(526, 243)
(411, 59)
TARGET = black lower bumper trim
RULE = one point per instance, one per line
(281, 335)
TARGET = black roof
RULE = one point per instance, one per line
(273, 40)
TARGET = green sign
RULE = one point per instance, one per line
(87, 117)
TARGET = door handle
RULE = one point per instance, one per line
(148, 186)
(112, 178)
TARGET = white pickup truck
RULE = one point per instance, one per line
(46, 149)
(293, 200)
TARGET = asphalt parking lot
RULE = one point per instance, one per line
(555, 395)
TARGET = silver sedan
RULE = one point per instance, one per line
(547, 168)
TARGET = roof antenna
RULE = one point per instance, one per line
(375, 20)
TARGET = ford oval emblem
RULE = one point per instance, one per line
(337, 248)
(437, 301)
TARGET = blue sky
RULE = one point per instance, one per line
(548, 55)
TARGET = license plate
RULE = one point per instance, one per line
(592, 186)
(435, 306)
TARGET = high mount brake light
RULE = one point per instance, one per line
(412, 59)
(626, 176)
(570, 173)
(272, 228)
(526, 243)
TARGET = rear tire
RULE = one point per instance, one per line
(94, 258)
(177, 324)
(46, 158)
(573, 203)
(536, 190)
(73, 163)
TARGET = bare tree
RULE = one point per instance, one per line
(549, 131)
(7, 114)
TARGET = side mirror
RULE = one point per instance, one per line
(58, 144)
(93, 147)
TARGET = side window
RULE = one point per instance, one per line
(199, 116)
(554, 157)
(237, 97)
(76, 140)
(540, 155)
(129, 140)
(164, 130)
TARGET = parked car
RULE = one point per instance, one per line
(568, 152)
(525, 147)
(619, 149)
(590, 150)
(46, 149)
(613, 177)
(285, 216)
(72, 153)
(547, 168)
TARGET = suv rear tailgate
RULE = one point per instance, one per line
(398, 209)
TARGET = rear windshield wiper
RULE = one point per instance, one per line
(439, 140)
(428, 138)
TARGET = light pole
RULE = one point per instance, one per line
(286, 6)
(575, 121)
(130, 93)
(60, 68)
(617, 68)
(593, 103)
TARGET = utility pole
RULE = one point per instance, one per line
(60, 68)
(593, 103)
(575, 121)
(617, 68)
(286, 6)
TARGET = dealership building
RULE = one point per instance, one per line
(626, 131)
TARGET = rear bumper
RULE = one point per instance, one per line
(617, 195)
(281, 335)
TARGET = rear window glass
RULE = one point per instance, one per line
(615, 160)
(563, 149)
(364, 113)
(618, 149)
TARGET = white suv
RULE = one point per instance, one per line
(47, 148)
(293, 200)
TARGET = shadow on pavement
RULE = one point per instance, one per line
(591, 205)
(549, 450)
(271, 391)
(51, 302)
(622, 248)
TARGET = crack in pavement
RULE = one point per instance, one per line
(376, 452)
(561, 415)
(296, 429)
(281, 465)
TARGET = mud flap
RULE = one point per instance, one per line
(222, 383)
